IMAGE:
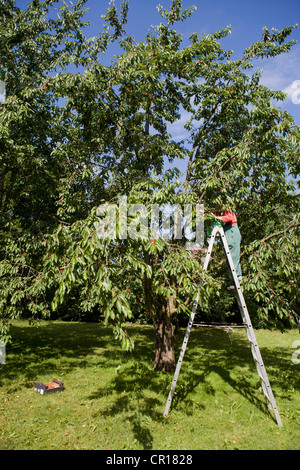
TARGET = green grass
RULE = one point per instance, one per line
(114, 399)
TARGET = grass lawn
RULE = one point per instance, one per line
(114, 399)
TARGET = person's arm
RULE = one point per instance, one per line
(229, 218)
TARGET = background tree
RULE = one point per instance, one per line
(33, 48)
(112, 137)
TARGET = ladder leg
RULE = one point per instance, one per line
(266, 387)
(181, 355)
(188, 330)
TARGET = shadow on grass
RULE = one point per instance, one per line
(138, 393)
(62, 346)
(208, 352)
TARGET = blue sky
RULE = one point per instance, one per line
(246, 18)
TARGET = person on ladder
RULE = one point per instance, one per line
(233, 237)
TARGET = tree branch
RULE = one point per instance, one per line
(281, 232)
(263, 240)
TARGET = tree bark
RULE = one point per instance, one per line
(164, 341)
(161, 311)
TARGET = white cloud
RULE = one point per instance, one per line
(282, 73)
(177, 128)
(293, 92)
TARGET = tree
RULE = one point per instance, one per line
(33, 47)
(113, 138)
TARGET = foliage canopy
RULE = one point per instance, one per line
(75, 134)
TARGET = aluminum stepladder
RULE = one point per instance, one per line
(266, 387)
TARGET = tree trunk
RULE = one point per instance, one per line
(164, 341)
(161, 311)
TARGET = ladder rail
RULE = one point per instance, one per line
(181, 355)
(261, 370)
(266, 387)
(188, 330)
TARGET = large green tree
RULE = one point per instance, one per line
(106, 131)
(34, 47)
